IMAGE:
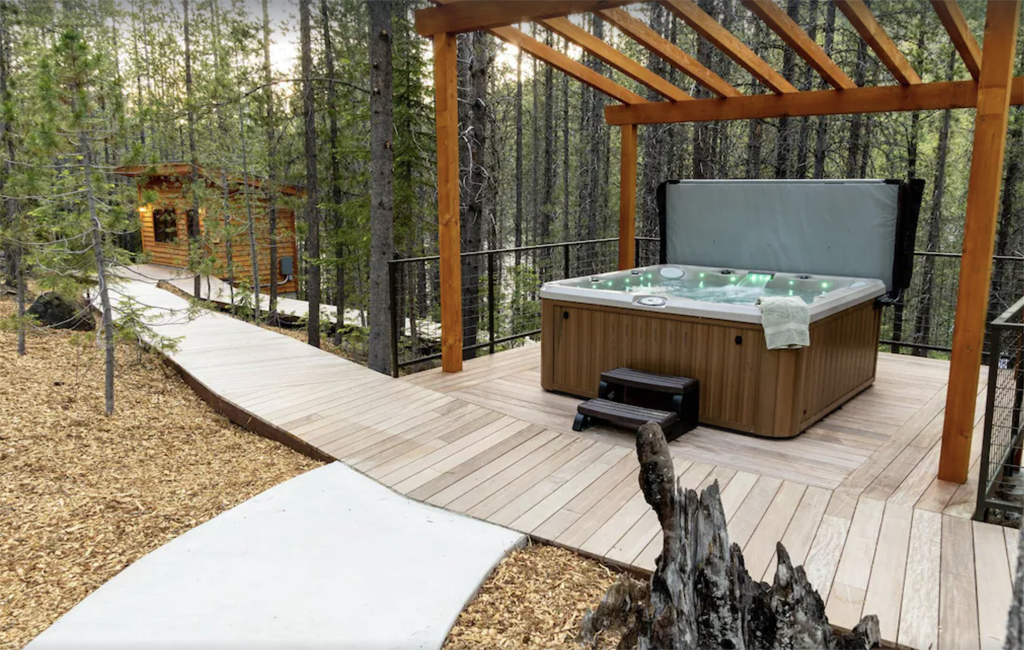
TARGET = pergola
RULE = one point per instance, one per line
(990, 92)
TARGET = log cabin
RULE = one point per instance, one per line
(168, 221)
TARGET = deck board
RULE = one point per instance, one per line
(854, 499)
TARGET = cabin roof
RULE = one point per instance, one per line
(213, 175)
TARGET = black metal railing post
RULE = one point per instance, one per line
(565, 261)
(994, 339)
(490, 302)
(395, 327)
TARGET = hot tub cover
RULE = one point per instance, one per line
(858, 228)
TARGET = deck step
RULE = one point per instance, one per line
(649, 381)
(626, 416)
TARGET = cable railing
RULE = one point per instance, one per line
(921, 322)
(500, 295)
(1000, 485)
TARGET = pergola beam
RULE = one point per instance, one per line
(668, 51)
(960, 33)
(557, 60)
(885, 99)
(794, 36)
(566, 64)
(459, 16)
(723, 39)
(875, 36)
(614, 58)
(990, 125)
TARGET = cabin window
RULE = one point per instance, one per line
(165, 225)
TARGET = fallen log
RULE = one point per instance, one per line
(700, 595)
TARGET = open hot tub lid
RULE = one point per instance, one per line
(855, 227)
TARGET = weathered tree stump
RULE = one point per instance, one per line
(700, 595)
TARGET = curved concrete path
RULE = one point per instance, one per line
(329, 559)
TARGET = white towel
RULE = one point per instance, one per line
(786, 321)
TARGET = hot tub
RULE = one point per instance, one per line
(702, 322)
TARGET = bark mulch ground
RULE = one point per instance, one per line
(83, 495)
(535, 599)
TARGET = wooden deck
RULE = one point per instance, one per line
(854, 499)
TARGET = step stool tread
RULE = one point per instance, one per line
(626, 413)
(649, 380)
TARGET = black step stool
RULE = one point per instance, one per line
(629, 398)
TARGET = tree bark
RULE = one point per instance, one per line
(337, 222)
(784, 142)
(268, 94)
(700, 595)
(923, 317)
(253, 251)
(98, 244)
(803, 138)
(821, 126)
(381, 185)
(519, 156)
(312, 216)
(195, 247)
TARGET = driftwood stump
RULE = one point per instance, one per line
(700, 595)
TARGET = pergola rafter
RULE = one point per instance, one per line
(572, 32)
(867, 26)
(990, 91)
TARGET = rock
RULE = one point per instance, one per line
(700, 594)
(53, 310)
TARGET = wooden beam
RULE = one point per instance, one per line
(960, 33)
(550, 56)
(660, 46)
(867, 26)
(627, 198)
(990, 125)
(794, 36)
(884, 99)
(614, 58)
(446, 103)
(720, 37)
(566, 64)
(474, 15)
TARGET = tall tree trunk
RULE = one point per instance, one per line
(519, 156)
(923, 317)
(311, 212)
(195, 246)
(703, 147)
(821, 126)
(253, 250)
(15, 249)
(381, 179)
(805, 122)
(474, 63)
(654, 144)
(535, 150)
(337, 222)
(1003, 296)
(229, 237)
(784, 142)
(566, 235)
(268, 94)
(853, 154)
(98, 246)
(548, 181)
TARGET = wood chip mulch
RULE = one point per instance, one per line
(82, 495)
(535, 599)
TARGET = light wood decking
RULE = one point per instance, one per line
(855, 499)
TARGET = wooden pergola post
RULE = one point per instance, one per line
(990, 127)
(446, 102)
(627, 199)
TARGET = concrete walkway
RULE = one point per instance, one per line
(329, 559)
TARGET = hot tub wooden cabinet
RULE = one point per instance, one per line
(743, 385)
